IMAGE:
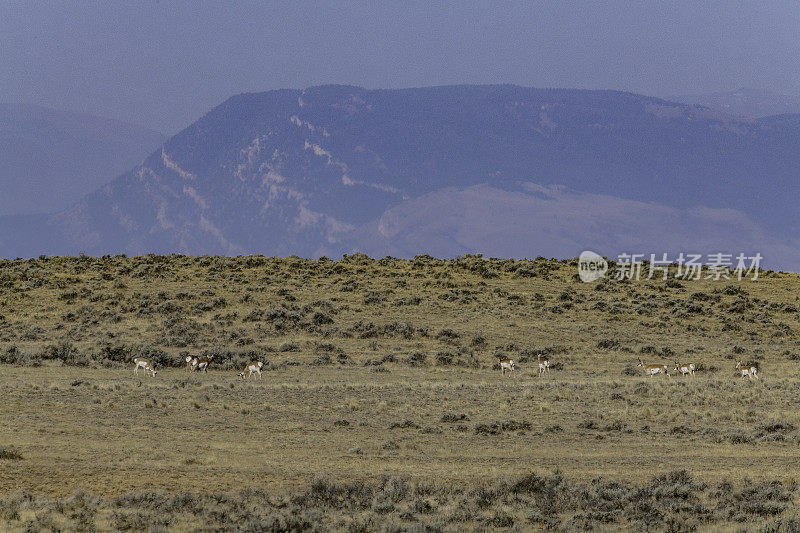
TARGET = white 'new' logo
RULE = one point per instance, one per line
(591, 266)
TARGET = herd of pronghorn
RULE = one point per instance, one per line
(199, 364)
(506, 364)
(686, 369)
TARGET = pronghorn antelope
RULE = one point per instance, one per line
(544, 365)
(507, 364)
(144, 363)
(654, 369)
(190, 362)
(747, 371)
(201, 363)
(686, 370)
(252, 368)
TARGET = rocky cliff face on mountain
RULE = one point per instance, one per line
(502, 170)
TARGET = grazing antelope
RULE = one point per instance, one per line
(747, 371)
(507, 364)
(653, 369)
(544, 365)
(190, 362)
(201, 363)
(252, 368)
(144, 363)
(686, 370)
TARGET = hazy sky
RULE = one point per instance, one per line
(165, 63)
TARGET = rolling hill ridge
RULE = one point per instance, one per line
(444, 170)
(50, 159)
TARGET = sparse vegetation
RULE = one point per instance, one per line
(379, 367)
(672, 501)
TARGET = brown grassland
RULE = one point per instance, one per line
(382, 406)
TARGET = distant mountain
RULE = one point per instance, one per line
(50, 159)
(749, 103)
(502, 170)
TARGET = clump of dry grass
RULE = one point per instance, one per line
(10, 453)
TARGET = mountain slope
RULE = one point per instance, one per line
(50, 159)
(308, 172)
(751, 103)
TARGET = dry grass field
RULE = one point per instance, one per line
(382, 406)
